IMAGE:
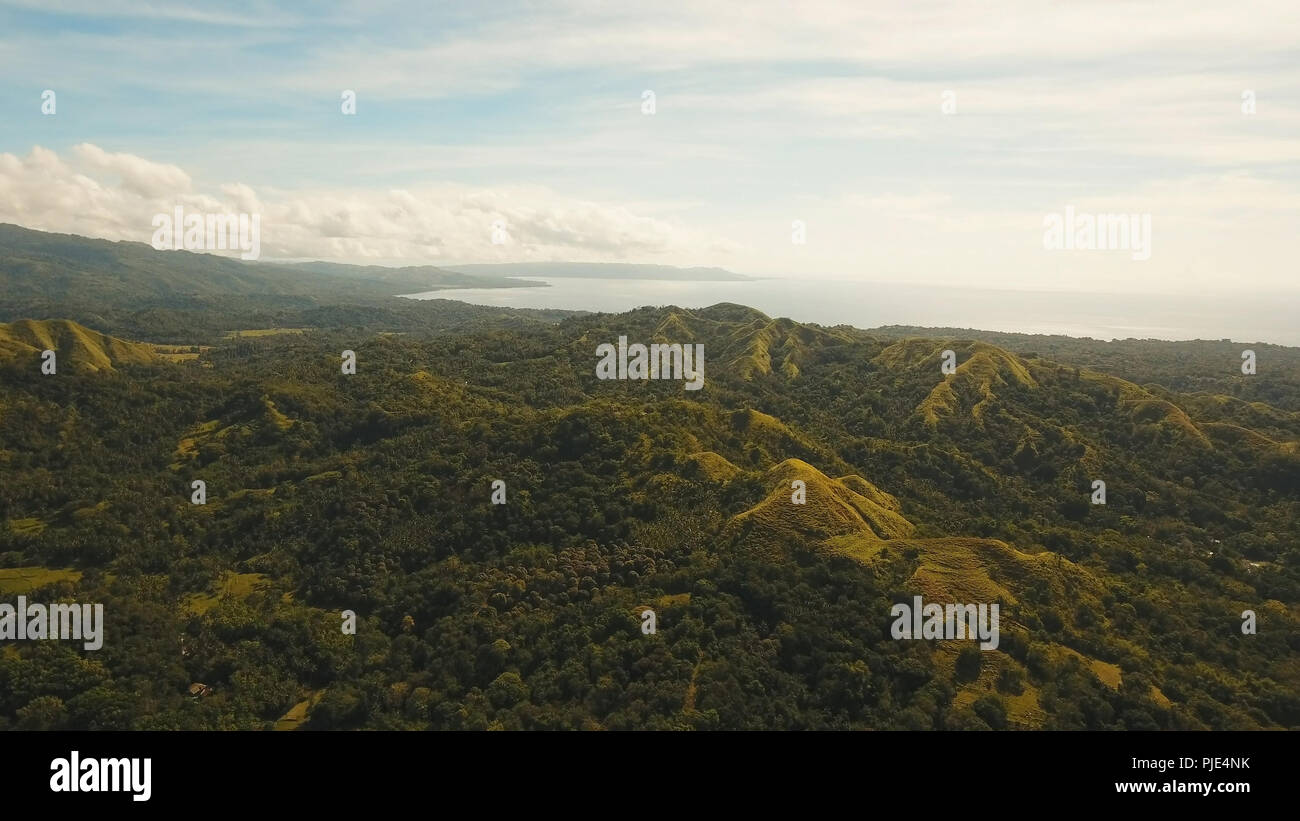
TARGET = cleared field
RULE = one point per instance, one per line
(26, 527)
(236, 585)
(1107, 673)
(296, 716)
(178, 353)
(19, 581)
(256, 332)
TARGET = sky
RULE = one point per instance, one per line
(918, 141)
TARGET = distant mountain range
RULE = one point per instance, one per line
(37, 266)
(600, 270)
(771, 521)
(426, 277)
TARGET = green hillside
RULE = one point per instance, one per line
(34, 264)
(132, 291)
(76, 346)
(372, 493)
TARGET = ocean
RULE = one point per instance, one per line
(1247, 318)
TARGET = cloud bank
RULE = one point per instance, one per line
(114, 196)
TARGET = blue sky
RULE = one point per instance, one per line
(530, 114)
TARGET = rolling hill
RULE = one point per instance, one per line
(373, 493)
(77, 347)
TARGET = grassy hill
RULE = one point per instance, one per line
(850, 507)
(76, 347)
(371, 493)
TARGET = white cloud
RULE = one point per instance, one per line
(137, 175)
(114, 196)
(1210, 234)
(506, 49)
(768, 111)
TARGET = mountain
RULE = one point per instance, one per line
(765, 346)
(76, 347)
(425, 277)
(840, 512)
(600, 270)
(131, 290)
(35, 265)
(373, 493)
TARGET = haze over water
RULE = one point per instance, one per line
(1252, 317)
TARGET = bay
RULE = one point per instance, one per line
(1246, 317)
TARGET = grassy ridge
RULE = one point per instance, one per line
(371, 493)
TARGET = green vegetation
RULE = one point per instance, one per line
(15, 581)
(131, 291)
(78, 348)
(256, 332)
(232, 585)
(371, 493)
